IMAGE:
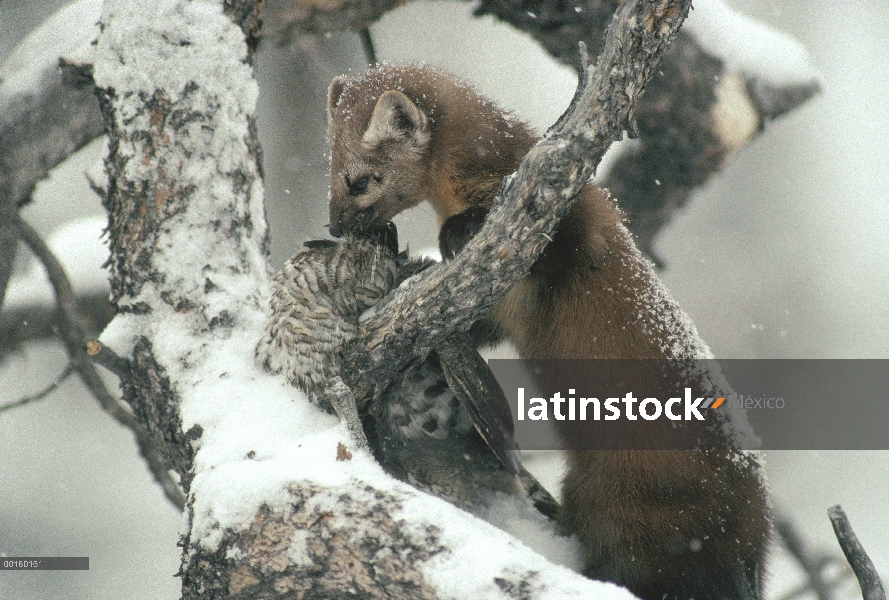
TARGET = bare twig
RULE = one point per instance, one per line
(38, 320)
(105, 356)
(73, 338)
(868, 578)
(69, 369)
(529, 206)
(9, 242)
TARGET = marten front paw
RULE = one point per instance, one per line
(458, 230)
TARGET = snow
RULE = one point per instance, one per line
(616, 152)
(476, 550)
(526, 524)
(735, 120)
(179, 43)
(79, 248)
(260, 435)
(189, 48)
(265, 436)
(747, 46)
(430, 253)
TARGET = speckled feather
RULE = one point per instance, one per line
(314, 308)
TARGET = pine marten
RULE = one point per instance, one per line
(669, 524)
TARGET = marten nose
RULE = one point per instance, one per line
(335, 231)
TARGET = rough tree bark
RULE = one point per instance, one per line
(147, 130)
(188, 241)
(862, 565)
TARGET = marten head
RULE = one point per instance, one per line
(379, 144)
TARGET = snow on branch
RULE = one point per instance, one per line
(187, 230)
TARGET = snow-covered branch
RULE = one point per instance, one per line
(187, 231)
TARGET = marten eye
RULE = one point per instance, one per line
(359, 186)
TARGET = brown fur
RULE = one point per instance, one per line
(666, 524)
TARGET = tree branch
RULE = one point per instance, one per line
(9, 242)
(289, 19)
(45, 117)
(65, 374)
(367, 45)
(868, 578)
(22, 323)
(42, 121)
(105, 356)
(73, 338)
(529, 206)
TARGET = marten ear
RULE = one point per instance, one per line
(394, 117)
(334, 92)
